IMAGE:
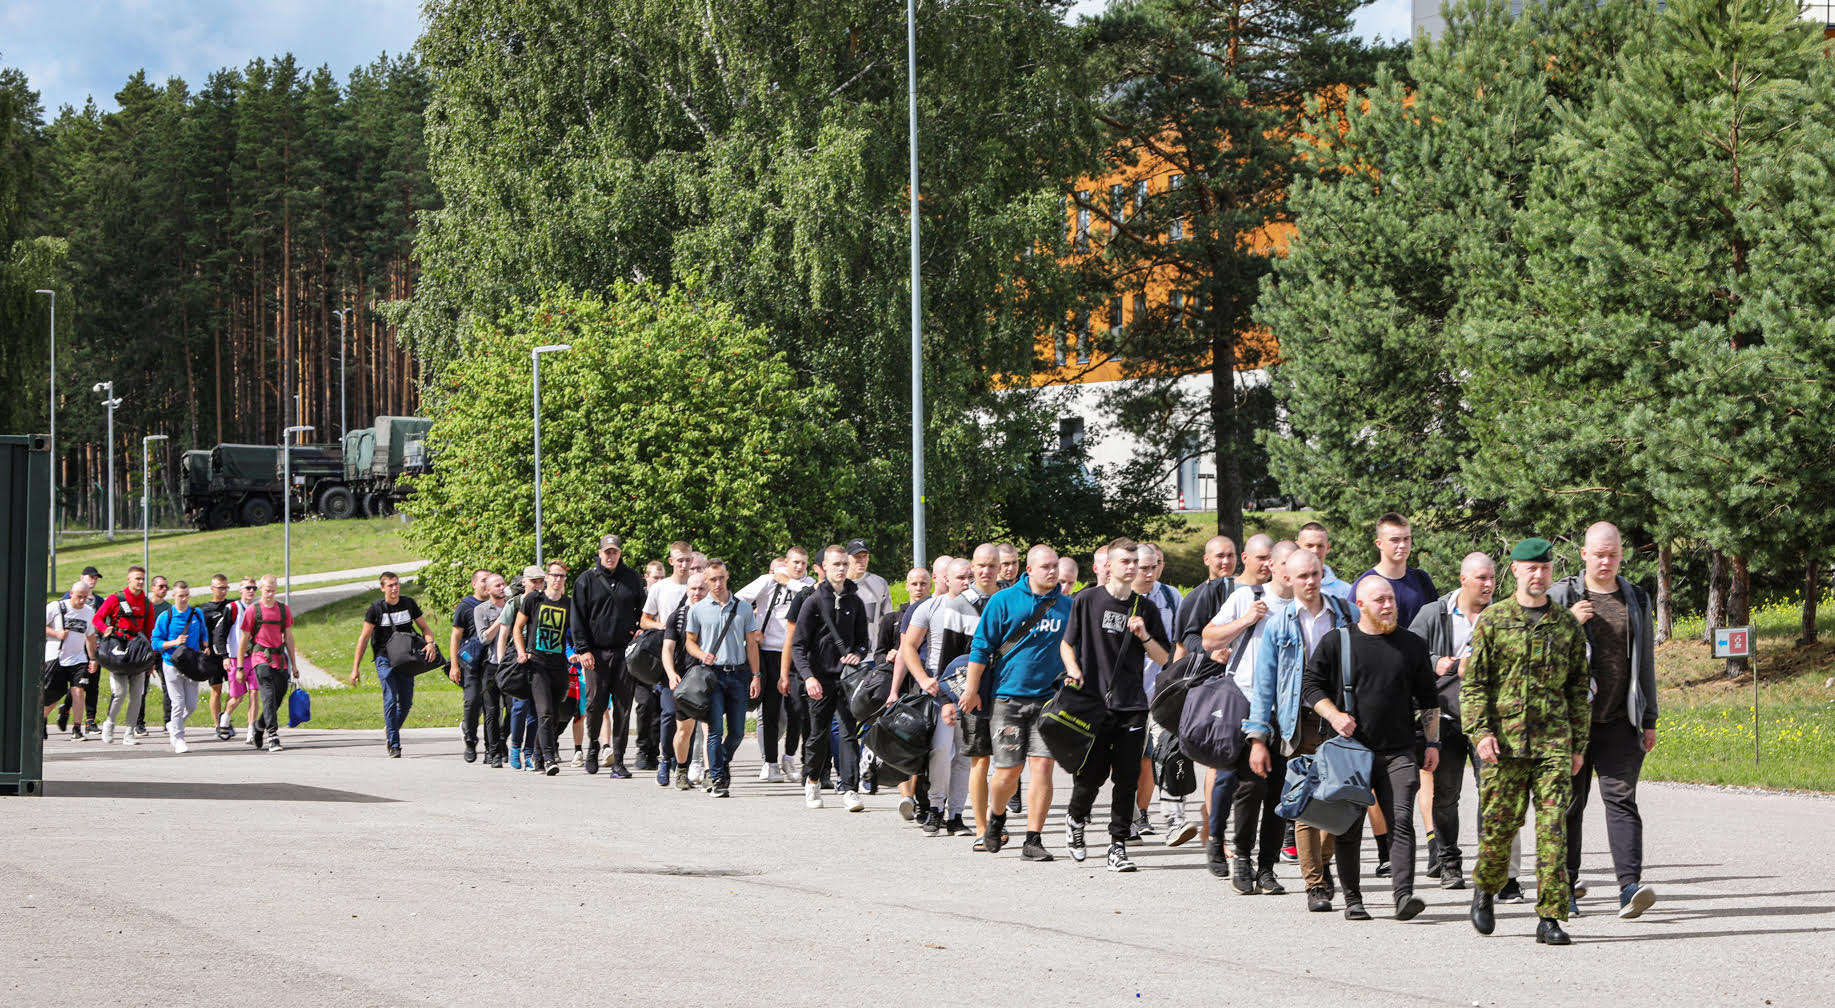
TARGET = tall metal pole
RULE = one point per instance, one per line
(286, 506)
(342, 341)
(535, 361)
(107, 389)
(146, 502)
(51, 439)
(917, 301)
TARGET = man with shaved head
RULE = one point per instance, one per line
(1446, 625)
(1392, 688)
(1314, 539)
(1008, 559)
(1621, 634)
(1068, 572)
(940, 629)
(1203, 601)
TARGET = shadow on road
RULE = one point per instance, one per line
(206, 791)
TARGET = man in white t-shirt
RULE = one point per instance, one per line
(1256, 828)
(770, 595)
(70, 654)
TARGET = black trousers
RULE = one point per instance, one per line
(607, 686)
(646, 706)
(1615, 752)
(1396, 779)
(1254, 826)
(1449, 777)
(549, 689)
(816, 754)
(274, 683)
(483, 705)
(771, 706)
(796, 716)
(1116, 758)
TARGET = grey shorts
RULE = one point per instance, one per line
(973, 739)
(1013, 725)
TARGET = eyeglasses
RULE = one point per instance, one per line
(248, 587)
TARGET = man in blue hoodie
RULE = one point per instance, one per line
(1013, 667)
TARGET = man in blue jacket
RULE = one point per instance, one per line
(1013, 667)
(1275, 713)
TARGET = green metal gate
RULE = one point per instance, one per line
(25, 529)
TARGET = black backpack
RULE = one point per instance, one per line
(1210, 728)
(1174, 682)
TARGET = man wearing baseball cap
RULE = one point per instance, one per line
(875, 593)
(1524, 706)
(608, 600)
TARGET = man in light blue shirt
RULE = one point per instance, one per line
(722, 633)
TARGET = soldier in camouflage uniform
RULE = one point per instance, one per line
(1524, 706)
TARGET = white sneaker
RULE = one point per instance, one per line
(789, 768)
(812, 794)
(765, 776)
(854, 803)
(907, 807)
(694, 772)
(127, 737)
(1181, 834)
(108, 732)
(178, 744)
(223, 720)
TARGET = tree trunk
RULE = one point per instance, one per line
(1717, 595)
(1223, 420)
(1739, 607)
(1666, 586)
(1812, 587)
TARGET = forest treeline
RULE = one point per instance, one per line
(201, 242)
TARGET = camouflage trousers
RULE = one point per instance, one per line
(1504, 790)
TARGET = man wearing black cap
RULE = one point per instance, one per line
(607, 603)
(1524, 706)
(875, 594)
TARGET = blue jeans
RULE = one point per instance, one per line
(397, 701)
(731, 689)
(522, 724)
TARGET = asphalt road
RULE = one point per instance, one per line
(329, 875)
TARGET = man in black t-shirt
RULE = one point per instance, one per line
(469, 675)
(1393, 690)
(389, 615)
(1111, 632)
(542, 642)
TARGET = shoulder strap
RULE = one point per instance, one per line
(834, 632)
(1344, 670)
(720, 638)
(1236, 655)
(1012, 639)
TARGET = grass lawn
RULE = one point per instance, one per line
(1185, 545)
(437, 703)
(318, 545)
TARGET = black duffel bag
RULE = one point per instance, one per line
(901, 734)
(866, 687)
(1174, 682)
(405, 655)
(1069, 723)
(643, 657)
(128, 656)
(513, 680)
(695, 696)
(189, 663)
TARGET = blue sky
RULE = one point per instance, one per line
(76, 48)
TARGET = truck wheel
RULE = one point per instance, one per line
(337, 503)
(385, 505)
(220, 516)
(367, 505)
(257, 511)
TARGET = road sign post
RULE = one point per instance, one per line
(1736, 642)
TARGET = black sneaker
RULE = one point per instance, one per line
(681, 779)
(395, 752)
(1034, 850)
(933, 823)
(646, 763)
(254, 739)
(618, 770)
(1014, 804)
(1510, 893)
(996, 835)
(1354, 908)
(553, 768)
(1382, 868)
(76, 734)
(1242, 876)
(956, 826)
(1143, 826)
(592, 759)
(471, 752)
(1408, 906)
(1319, 900)
(720, 789)
(1215, 859)
(1118, 857)
(1269, 885)
(1073, 839)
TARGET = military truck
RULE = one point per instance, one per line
(232, 484)
(363, 474)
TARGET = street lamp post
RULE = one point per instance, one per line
(146, 502)
(535, 361)
(341, 313)
(286, 505)
(51, 439)
(110, 401)
(917, 299)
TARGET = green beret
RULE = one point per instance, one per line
(1534, 551)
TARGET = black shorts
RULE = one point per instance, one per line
(57, 680)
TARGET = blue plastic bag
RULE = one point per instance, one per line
(299, 708)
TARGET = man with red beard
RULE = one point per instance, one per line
(1392, 688)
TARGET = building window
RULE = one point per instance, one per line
(1140, 195)
(1115, 326)
(1118, 203)
(1177, 300)
(1083, 220)
(1083, 336)
(1057, 345)
(1070, 433)
(1177, 231)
